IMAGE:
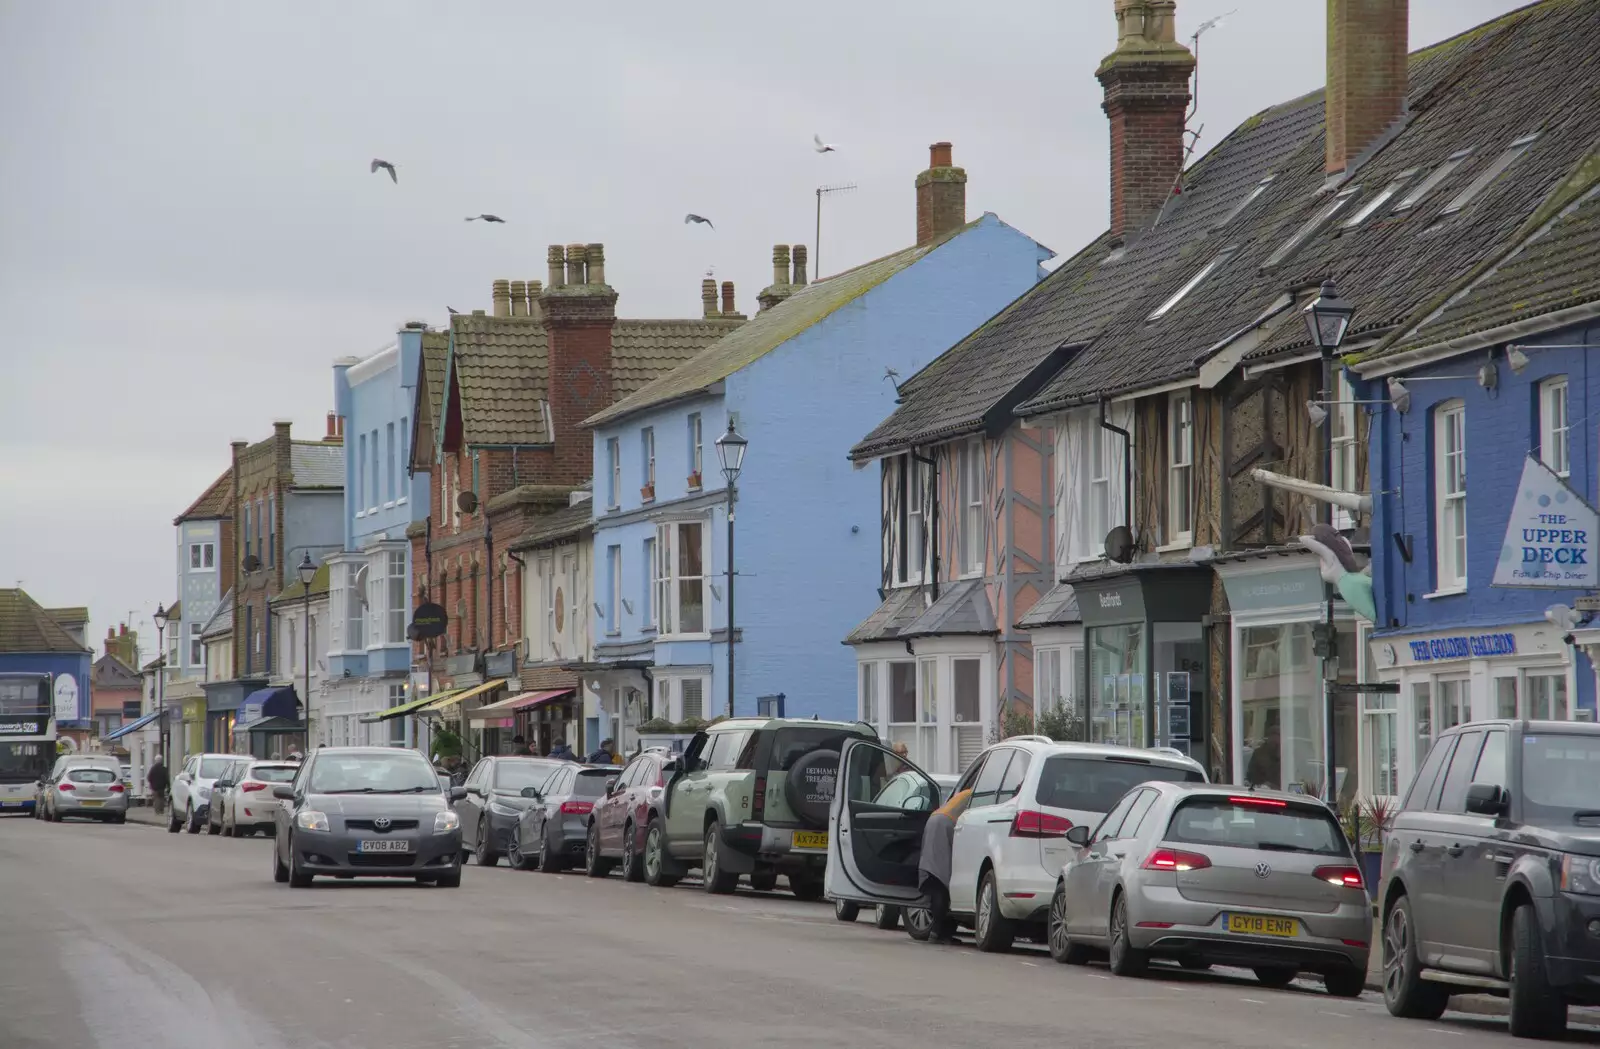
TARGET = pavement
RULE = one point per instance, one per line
(126, 935)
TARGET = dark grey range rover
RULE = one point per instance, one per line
(1492, 875)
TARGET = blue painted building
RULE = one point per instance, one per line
(368, 656)
(814, 369)
(44, 674)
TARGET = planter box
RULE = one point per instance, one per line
(648, 493)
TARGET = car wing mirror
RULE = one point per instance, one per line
(532, 792)
(283, 792)
(457, 793)
(1078, 835)
(1487, 799)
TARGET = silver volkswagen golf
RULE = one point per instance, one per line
(1206, 875)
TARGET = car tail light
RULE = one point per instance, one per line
(1175, 860)
(1346, 877)
(65, 786)
(250, 787)
(758, 800)
(577, 808)
(1031, 824)
(117, 788)
(1269, 803)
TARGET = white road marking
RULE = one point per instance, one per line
(1253, 1001)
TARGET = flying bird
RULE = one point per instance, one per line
(692, 217)
(485, 217)
(821, 146)
(384, 165)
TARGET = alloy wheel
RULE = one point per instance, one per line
(1060, 942)
(985, 913)
(627, 851)
(652, 854)
(1396, 939)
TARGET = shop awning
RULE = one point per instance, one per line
(278, 701)
(507, 707)
(408, 707)
(132, 726)
(269, 725)
(440, 703)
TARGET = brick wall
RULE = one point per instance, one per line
(1145, 106)
(579, 315)
(941, 196)
(1367, 42)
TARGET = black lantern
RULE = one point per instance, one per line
(730, 449)
(306, 570)
(1328, 318)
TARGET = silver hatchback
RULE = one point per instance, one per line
(1207, 875)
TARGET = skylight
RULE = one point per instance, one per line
(1380, 200)
(1438, 175)
(1489, 174)
(1192, 283)
(1250, 198)
(1316, 222)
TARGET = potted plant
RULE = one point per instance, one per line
(691, 725)
(648, 493)
(694, 480)
(1367, 824)
(656, 727)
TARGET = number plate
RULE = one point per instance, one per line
(383, 845)
(810, 839)
(1261, 925)
(86, 802)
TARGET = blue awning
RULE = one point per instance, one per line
(132, 726)
(277, 702)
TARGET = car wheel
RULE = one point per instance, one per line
(280, 873)
(655, 857)
(450, 879)
(846, 910)
(719, 882)
(213, 829)
(1537, 1010)
(1275, 976)
(1345, 983)
(919, 923)
(484, 852)
(632, 862)
(594, 864)
(553, 863)
(887, 918)
(1404, 991)
(1126, 959)
(120, 818)
(172, 821)
(514, 855)
(992, 931)
(191, 822)
(764, 881)
(1062, 949)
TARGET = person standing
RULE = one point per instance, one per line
(606, 754)
(559, 749)
(157, 778)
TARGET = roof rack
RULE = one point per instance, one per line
(1032, 738)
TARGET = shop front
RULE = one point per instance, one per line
(1145, 656)
(270, 724)
(222, 702)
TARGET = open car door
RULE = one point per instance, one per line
(880, 804)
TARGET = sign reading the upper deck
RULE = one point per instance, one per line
(1551, 536)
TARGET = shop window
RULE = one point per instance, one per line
(1547, 697)
(1452, 704)
(1280, 699)
(1422, 707)
(1505, 696)
(1116, 685)
(1450, 495)
(1180, 468)
(1553, 425)
(1380, 742)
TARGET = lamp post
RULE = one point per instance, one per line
(1327, 320)
(161, 618)
(307, 571)
(730, 449)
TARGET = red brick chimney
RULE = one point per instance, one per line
(579, 311)
(1367, 42)
(941, 197)
(335, 434)
(728, 308)
(1146, 82)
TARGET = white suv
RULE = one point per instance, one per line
(1010, 843)
(191, 790)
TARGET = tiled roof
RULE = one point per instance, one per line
(430, 395)
(295, 592)
(27, 628)
(768, 330)
(110, 672)
(963, 608)
(554, 527)
(1058, 607)
(72, 615)
(214, 503)
(1528, 71)
(221, 621)
(888, 622)
(316, 464)
(175, 612)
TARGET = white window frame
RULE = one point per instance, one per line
(974, 522)
(1192, 283)
(398, 598)
(613, 605)
(649, 618)
(867, 696)
(909, 528)
(1342, 415)
(669, 582)
(1097, 505)
(566, 633)
(647, 446)
(1180, 469)
(1450, 496)
(696, 449)
(197, 648)
(614, 454)
(545, 587)
(1555, 425)
(355, 620)
(206, 554)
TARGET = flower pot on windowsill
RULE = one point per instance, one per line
(648, 493)
(694, 482)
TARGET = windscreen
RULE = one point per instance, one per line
(211, 768)
(514, 775)
(92, 776)
(593, 784)
(25, 761)
(272, 773)
(1095, 784)
(372, 772)
(1258, 823)
(1561, 779)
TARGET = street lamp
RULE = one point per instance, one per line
(161, 617)
(307, 571)
(730, 449)
(1328, 318)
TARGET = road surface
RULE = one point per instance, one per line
(118, 936)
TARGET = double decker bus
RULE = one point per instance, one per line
(27, 738)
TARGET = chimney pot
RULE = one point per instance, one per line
(576, 274)
(798, 253)
(501, 294)
(728, 309)
(708, 297)
(1367, 70)
(595, 266)
(535, 289)
(333, 425)
(780, 265)
(941, 196)
(1146, 82)
(557, 261)
(939, 155)
(519, 298)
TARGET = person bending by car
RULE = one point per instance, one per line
(933, 868)
(606, 754)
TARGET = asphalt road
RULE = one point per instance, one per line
(127, 936)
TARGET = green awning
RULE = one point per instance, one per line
(407, 707)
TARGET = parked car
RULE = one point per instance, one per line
(1216, 875)
(247, 804)
(750, 797)
(551, 833)
(614, 831)
(905, 789)
(219, 793)
(191, 790)
(1010, 842)
(366, 812)
(495, 798)
(86, 789)
(1492, 880)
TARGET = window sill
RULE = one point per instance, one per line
(1186, 543)
(613, 633)
(360, 514)
(401, 501)
(683, 637)
(389, 505)
(1451, 592)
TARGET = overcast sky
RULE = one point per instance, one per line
(189, 234)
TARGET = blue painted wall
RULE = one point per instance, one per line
(55, 663)
(199, 589)
(1502, 427)
(807, 520)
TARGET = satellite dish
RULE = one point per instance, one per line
(251, 563)
(467, 502)
(1119, 544)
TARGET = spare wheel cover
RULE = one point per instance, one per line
(810, 784)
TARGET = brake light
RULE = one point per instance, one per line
(1175, 860)
(1031, 824)
(758, 800)
(250, 787)
(65, 786)
(1269, 803)
(1345, 877)
(577, 808)
(117, 788)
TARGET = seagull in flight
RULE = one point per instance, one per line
(821, 146)
(692, 217)
(384, 165)
(485, 217)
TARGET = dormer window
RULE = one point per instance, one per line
(1249, 199)
(1372, 206)
(1192, 283)
(1489, 174)
(1323, 216)
(1436, 176)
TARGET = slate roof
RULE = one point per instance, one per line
(221, 621)
(501, 365)
(215, 503)
(25, 627)
(769, 329)
(1058, 607)
(72, 615)
(1527, 71)
(900, 608)
(110, 672)
(963, 608)
(555, 527)
(295, 592)
(316, 464)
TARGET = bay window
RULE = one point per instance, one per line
(355, 627)
(398, 587)
(680, 577)
(648, 619)
(869, 694)
(1450, 495)
(1180, 468)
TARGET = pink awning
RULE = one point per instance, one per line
(525, 701)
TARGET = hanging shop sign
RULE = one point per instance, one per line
(1551, 535)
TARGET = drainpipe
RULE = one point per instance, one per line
(1127, 467)
(934, 527)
